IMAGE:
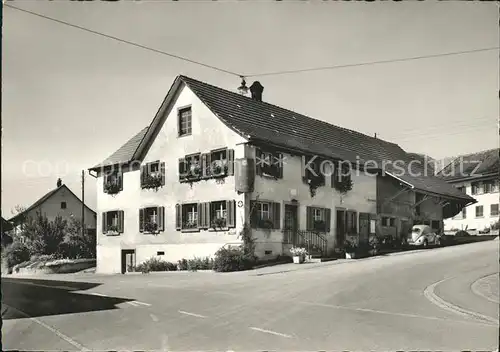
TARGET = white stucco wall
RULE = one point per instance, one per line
(472, 222)
(362, 198)
(208, 133)
(51, 208)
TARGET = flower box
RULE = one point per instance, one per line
(112, 188)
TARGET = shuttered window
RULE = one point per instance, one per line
(113, 183)
(152, 219)
(206, 215)
(153, 174)
(269, 163)
(265, 215)
(318, 219)
(113, 222)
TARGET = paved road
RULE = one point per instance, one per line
(429, 300)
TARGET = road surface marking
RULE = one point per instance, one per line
(441, 303)
(474, 288)
(97, 294)
(271, 332)
(142, 303)
(50, 328)
(406, 315)
(192, 314)
(133, 303)
(154, 318)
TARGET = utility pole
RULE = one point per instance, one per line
(83, 203)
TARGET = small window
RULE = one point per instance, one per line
(475, 188)
(464, 212)
(269, 164)
(312, 171)
(160, 253)
(392, 222)
(318, 219)
(63, 205)
(494, 209)
(113, 183)
(268, 252)
(479, 211)
(462, 189)
(494, 186)
(151, 219)
(190, 167)
(185, 121)
(265, 215)
(218, 163)
(218, 214)
(190, 216)
(112, 222)
(153, 175)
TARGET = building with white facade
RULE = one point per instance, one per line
(213, 161)
(477, 175)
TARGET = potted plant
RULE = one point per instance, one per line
(298, 254)
(112, 188)
(113, 229)
(350, 249)
(219, 223)
(150, 227)
(152, 182)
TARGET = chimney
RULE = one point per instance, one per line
(59, 182)
(256, 89)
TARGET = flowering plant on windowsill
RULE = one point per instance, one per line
(112, 188)
(298, 251)
(219, 223)
(152, 182)
(189, 225)
(220, 170)
(112, 229)
(150, 227)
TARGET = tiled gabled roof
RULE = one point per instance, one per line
(263, 122)
(474, 165)
(126, 152)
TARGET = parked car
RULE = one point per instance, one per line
(423, 235)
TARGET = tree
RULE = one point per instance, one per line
(77, 245)
(44, 236)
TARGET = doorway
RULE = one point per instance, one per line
(128, 260)
(291, 223)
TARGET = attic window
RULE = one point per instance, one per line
(185, 123)
(63, 205)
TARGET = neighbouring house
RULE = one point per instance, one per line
(60, 201)
(6, 229)
(477, 175)
(213, 160)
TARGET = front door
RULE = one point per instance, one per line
(128, 260)
(340, 228)
(291, 223)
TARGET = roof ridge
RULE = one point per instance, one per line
(286, 109)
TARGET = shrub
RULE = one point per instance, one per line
(232, 259)
(155, 264)
(200, 264)
(16, 253)
(182, 264)
(495, 226)
(462, 233)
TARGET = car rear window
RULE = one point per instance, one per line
(415, 230)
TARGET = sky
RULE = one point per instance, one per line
(71, 98)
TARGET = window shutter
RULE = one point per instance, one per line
(231, 213)
(199, 210)
(280, 164)
(104, 182)
(120, 180)
(208, 220)
(182, 168)
(328, 217)
(303, 169)
(253, 214)
(162, 171)
(178, 217)
(309, 219)
(204, 166)
(143, 174)
(104, 223)
(258, 162)
(120, 221)
(355, 221)
(141, 220)
(276, 215)
(201, 215)
(161, 218)
(230, 162)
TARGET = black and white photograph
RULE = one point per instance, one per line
(250, 175)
